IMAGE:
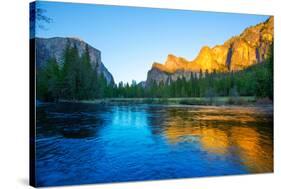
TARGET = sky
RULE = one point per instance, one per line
(131, 39)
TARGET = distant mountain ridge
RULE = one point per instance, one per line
(237, 53)
(47, 48)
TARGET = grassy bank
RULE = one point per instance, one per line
(217, 101)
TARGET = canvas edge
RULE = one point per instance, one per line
(32, 120)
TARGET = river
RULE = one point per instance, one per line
(96, 143)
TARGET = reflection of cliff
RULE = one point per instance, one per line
(214, 140)
(255, 153)
(235, 135)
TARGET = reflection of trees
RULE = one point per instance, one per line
(156, 119)
(224, 132)
(66, 142)
(68, 120)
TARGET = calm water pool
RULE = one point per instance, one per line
(89, 143)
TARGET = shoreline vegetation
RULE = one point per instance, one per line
(200, 101)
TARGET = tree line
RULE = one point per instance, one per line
(76, 79)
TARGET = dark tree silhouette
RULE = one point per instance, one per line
(37, 18)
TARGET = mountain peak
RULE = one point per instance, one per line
(237, 53)
(171, 57)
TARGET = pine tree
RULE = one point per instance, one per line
(48, 81)
(71, 72)
(87, 88)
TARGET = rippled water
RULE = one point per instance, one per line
(89, 143)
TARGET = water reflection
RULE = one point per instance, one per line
(245, 132)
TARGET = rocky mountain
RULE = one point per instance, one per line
(237, 53)
(47, 48)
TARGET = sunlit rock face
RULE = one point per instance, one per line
(47, 48)
(237, 53)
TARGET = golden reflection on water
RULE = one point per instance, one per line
(224, 132)
(214, 140)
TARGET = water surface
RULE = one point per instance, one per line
(89, 143)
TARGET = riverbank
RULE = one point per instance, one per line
(215, 101)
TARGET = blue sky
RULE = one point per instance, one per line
(131, 38)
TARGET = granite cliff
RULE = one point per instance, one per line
(47, 48)
(237, 53)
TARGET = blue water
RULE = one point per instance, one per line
(89, 143)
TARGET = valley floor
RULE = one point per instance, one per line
(217, 101)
